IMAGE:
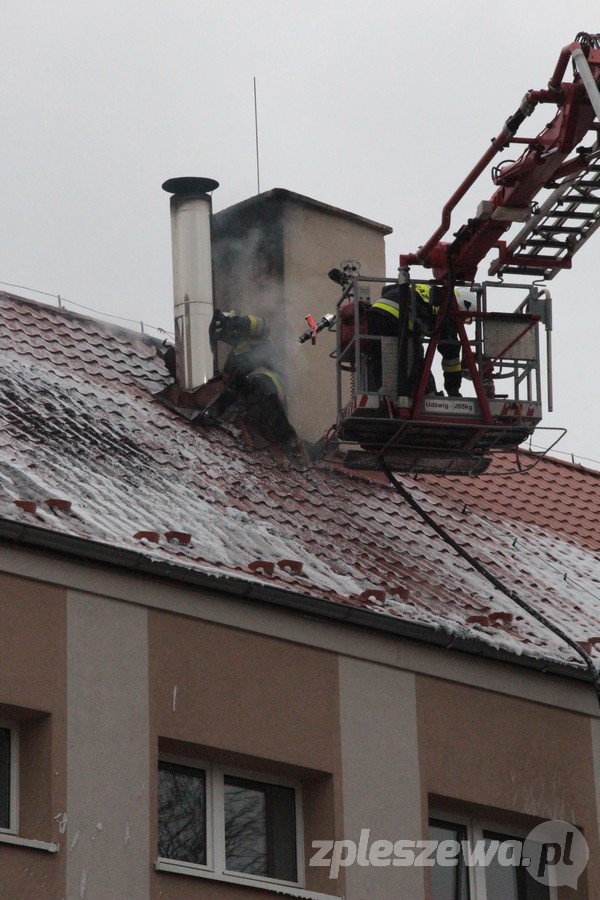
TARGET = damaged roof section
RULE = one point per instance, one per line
(80, 423)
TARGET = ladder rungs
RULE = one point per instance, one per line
(581, 201)
(552, 229)
(540, 262)
(522, 270)
(538, 244)
(567, 214)
(562, 224)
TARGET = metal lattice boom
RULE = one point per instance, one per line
(564, 222)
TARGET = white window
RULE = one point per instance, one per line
(9, 761)
(499, 877)
(228, 824)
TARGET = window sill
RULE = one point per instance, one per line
(285, 890)
(26, 842)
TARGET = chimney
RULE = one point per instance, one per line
(191, 208)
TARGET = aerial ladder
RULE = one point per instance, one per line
(403, 424)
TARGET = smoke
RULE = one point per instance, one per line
(271, 256)
(248, 278)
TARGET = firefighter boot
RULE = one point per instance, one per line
(452, 382)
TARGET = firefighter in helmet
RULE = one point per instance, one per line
(383, 319)
(249, 363)
(249, 372)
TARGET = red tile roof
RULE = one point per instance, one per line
(80, 423)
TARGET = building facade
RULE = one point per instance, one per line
(116, 685)
(226, 676)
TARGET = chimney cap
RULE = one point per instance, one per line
(189, 186)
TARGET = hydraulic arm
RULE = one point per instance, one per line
(545, 162)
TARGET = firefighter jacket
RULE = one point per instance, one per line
(250, 360)
(425, 320)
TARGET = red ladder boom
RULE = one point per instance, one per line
(543, 164)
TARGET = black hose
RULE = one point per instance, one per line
(499, 585)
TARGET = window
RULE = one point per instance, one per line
(182, 813)
(492, 880)
(26, 810)
(228, 823)
(260, 828)
(8, 778)
(448, 882)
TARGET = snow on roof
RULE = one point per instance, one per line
(80, 422)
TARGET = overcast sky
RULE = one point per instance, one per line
(375, 106)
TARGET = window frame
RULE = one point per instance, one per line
(476, 826)
(13, 776)
(215, 866)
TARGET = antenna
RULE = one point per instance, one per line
(256, 133)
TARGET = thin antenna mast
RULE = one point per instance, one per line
(256, 133)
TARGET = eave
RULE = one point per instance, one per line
(98, 554)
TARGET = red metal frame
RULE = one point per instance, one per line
(545, 159)
(542, 162)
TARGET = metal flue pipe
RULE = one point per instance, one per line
(191, 208)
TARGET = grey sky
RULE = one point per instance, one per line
(378, 107)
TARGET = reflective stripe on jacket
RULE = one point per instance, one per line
(256, 327)
(274, 382)
(392, 307)
(388, 306)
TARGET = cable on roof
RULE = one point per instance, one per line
(63, 300)
(499, 585)
(574, 457)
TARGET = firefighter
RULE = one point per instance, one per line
(448, 343)
(249, 373)
(383, 319)
(249, 362)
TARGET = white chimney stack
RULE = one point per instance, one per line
(191, 208)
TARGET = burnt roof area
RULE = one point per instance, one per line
(81, 422)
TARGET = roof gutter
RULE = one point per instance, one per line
(132, 562)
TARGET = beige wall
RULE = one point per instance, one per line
(595, 730)
(252, 702)
(509, 759)
(381, 772)
(108, 789)
(33, 693)
(338, 708)
(314, 243)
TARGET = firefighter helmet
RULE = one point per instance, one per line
(222, 324)
(424, 291)
(466, 299)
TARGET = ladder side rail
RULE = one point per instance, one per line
(585, 73)
(576, 236)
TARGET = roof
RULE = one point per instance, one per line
(88, 452)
